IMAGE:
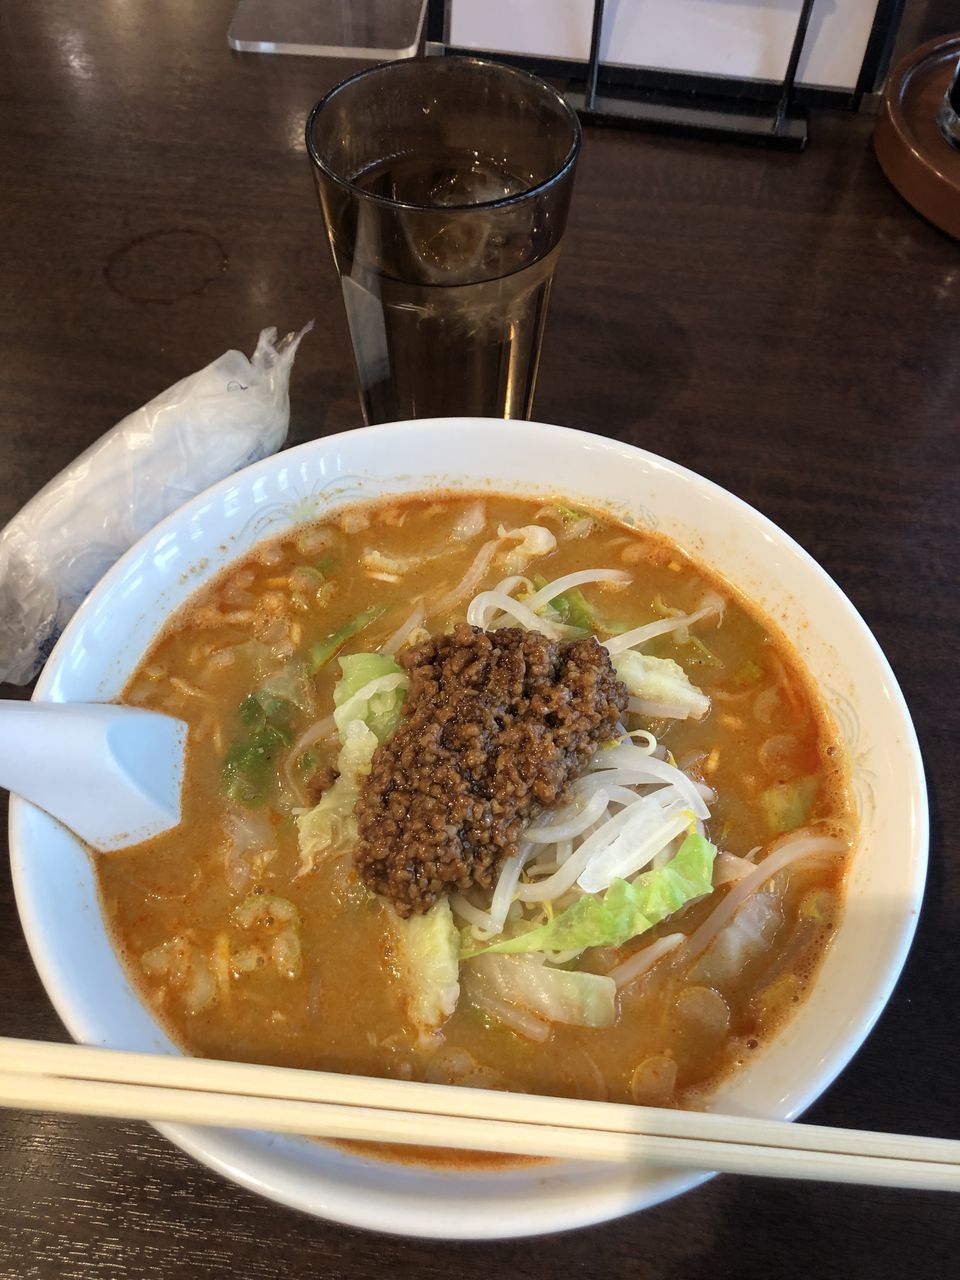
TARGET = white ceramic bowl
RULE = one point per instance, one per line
(58, 901)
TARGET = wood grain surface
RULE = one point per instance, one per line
(783, 324)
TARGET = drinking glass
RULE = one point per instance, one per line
(444, 185)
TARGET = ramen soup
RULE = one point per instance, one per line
(489, 792)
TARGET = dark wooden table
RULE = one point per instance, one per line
(784, 325)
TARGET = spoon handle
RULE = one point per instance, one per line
(112, 774)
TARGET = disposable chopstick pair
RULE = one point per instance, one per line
(158, 1087)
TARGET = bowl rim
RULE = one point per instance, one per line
(211, 1146)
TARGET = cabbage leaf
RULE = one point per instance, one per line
(324, 650)
(750, 932)
(372, 689)
(553, 995)
(330, 827)
(627, 908)
(428, 953)
(248, 774)
(367, 697)
(787, 805)
(660, 680)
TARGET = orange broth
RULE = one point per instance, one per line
(218, 979)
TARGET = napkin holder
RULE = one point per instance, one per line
(658, 68)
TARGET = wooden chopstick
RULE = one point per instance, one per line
(158, 1087)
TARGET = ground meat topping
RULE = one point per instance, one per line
(320, 780)
(496, 725)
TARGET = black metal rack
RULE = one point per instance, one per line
(761, 112)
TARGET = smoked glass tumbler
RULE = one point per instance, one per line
(444, 185)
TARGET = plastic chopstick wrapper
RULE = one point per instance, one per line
(209, 425)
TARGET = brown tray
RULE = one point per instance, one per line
(912, 151)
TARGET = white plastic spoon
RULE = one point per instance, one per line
(111, 774)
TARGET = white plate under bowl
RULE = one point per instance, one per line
(57, 897)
